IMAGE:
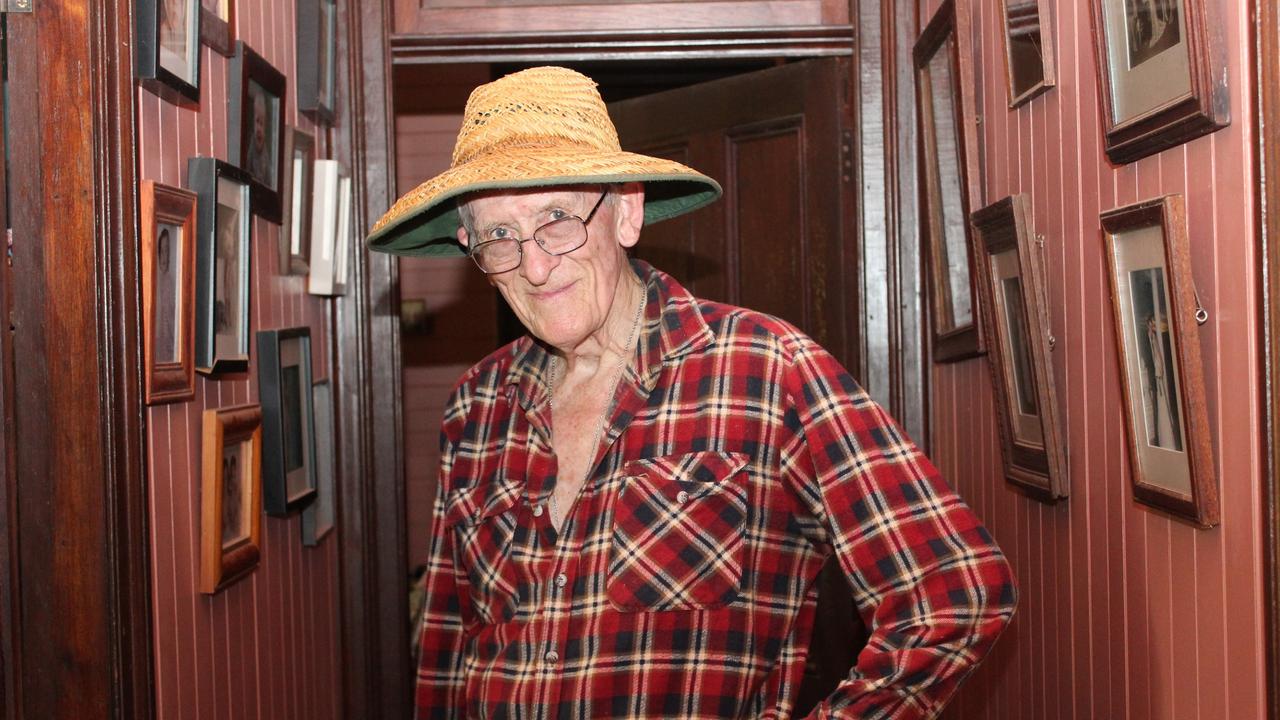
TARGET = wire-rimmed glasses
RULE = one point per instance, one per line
(557, 237)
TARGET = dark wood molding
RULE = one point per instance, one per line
(1265, 45)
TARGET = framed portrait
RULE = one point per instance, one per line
(168, 49)
(319, 517)
(297, 190)
(1154, 307)
(223, 223)
(255, 127)
(288, 420)
(1162, 74)
(944, 191)
(1028, 58)
(217, 25)
(168, 231)
(230, 496)
(1012, 284)
(331, 230)
(317, 58)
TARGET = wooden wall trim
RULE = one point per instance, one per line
(1266, 86)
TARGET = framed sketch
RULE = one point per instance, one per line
(255, 127)
(331, 230)
(317, 58)
(222, 265)
(1012, 284)
(230, 496)
(1154, 307)
(288, 420)
(1161, 72)
(319, 517)
(168, 49)
(168, 217)
(297, 190)
(217, 23)
(944, 191)
(1028, 58)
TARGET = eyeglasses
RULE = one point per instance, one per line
(555, 238)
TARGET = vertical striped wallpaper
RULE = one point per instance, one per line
(1125, 612)
(267, 646)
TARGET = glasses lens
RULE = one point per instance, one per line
(562, 236)
(498, 255)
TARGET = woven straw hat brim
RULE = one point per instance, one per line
(425, 220)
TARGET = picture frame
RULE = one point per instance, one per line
(1011, 280)
(230, 496)
(298, 191)
(945, 189)
(255, 126)
(317, 33)
(1154, 309)
(223, 226)
(331, 230)
(168, 233)
(1029, 60)
(1161, 72)
(168, 49)
(217, 25)
(288, 420)
(319, 518)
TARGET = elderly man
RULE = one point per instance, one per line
(636, 497)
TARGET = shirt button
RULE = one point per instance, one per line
(552, 656)
(562, 580)
(537, 511)
(682, 496)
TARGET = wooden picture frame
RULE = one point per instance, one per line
(217, 25)
(297, 193)
(317, 33)
(255, 126)
(1029, 61)
(1154, 309)
(288, 420)
(168, 234)
(1012, 284)
(223, 226)
(230, 496)
(319, 518)
(944, 191)
(1161, 72)
(168, 49)
(331, 230)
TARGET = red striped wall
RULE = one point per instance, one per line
(266, 647)
(1125, 612)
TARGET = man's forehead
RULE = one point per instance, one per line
(523, 200)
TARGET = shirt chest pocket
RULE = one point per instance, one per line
(486, 533)
(678, 533)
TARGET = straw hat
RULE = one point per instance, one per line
(538, 127)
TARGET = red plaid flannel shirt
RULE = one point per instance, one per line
(739, 456)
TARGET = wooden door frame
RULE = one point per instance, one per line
(1266, 91)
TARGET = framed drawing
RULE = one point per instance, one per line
(168, 232)
(330, 230)
(230, 496)
(318, 518)
(255, 126)
(317, 57)
(1161, 72)
(1028, 58)
(297, 191)
(217, 23)
(288, 420)
(944, 191)
(168, 49)
(1012, 285)
(1154, 307)
(222, 265)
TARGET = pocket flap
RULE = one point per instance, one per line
(698, 469)
(470, 505)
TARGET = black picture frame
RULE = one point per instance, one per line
(217, 25)
(168, 54)
(255, 126)
(317, 70)
(288, 420)
(297, 193)
(223, 230)
(320, 517)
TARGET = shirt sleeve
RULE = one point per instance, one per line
(932, 586)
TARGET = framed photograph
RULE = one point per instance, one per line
(1028, 58)
(222, 265)
(331, 230)
(168, 218)
(168, 49)
(1154, 307)
(217, 23)
(288, 420)
(1012, 284)
(297, 190)
(317, 58)
(230, 496)
(255, 127)
(1162, 74)
(319, 517)
(944, 191)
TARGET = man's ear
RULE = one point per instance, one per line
(462, 236)
(629, 213)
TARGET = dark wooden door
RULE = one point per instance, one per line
(781, 241)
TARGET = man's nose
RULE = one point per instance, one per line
(537, 264)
